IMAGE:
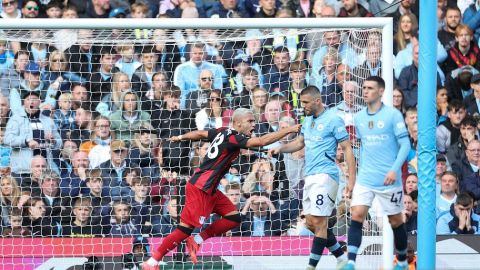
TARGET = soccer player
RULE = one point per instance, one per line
(384, 148)
(202, 197)
(321, 132)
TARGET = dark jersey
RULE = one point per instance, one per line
(224, 148)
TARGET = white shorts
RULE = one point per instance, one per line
(319, 193)
(391, 199)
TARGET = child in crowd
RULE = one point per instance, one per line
(16, 229)
(64, 117)
(127, 62)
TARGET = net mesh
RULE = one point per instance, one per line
(94, 177)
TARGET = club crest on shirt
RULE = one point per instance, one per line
(370, 124)
(320, 127)
(380, 124)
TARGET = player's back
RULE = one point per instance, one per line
(224, 148)
(378, 134)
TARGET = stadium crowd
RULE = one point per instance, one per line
(84, 125)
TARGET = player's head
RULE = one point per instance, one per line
(311, 100)
(243, 121)
(373, 88)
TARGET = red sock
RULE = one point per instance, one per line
(170, 242)
(218, 228)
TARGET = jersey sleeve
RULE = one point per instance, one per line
(399, 127)
(238, 140)
(339, 131)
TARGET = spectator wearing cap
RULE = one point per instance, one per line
(118, 13)
(472, 101)
(227, 9)
(113, 170)
(31, 133)
(29, 83)
(31, 9)
(145, 149)
(98, 9)
(10, 78)
(128, 117)
(10, 10)
(468, 133)
(186, 75)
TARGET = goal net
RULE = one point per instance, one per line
(86, 115)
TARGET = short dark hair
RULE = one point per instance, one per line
(25, 2)
(280, 49)
(379, 80)
(107, 50)
(310, 90)
(21, 52)
(464, 199)
(148, 49)
(469, 121)
(452, 173)
(455, 105)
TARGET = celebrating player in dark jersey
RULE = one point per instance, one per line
(202, 197)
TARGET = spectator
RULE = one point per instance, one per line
(31, 9)
(266, 9)
(83, 124)
(398, 99)
(214, 115)
(442, 104)
(168, 221)
(198, 99)
(16, 227)
(446, 35)
(469, 164)
(407, 24)
(98, 148)
(349, 106)
(298, 74)
(471, 101)
(258, 217)
(468, 132)
(154, 98)
(325, 79)
(198, 153)
(411, 183)
(227, 9)
(259, 99)
(470, 18)
(95, 193)
(142, 206)
(144, 150)
(73, 183)
(98, 9)
(29, 182)
(57, 207)
(260, 179)
(112, 102)
(449, 130)
(128, 117)
(127, 62)
(122, 223)
(233, 193)
(113, 170)
(277, 76)
(460, 219)
(37, 222)
(9, 198)
(7, 56)
(4, 112)
(54, 9)
(464, 52)
(80, 96)
(11, 77)
(352, 9)
(10, 10)
(64, 116)
(64, 159)
(448, 192)
(168, 53)
(82, 225)
(440, 168)
(186, 74)
(83, 57)
(303, 9)
(57, 71)
(142, 79)
(273, 110)
(31, 133)
(409, 214)
(101, 80)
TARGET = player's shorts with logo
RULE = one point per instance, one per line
(319, 195)
(390, 199)
(199, 205)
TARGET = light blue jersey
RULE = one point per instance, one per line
(321, 136)
(381, 134)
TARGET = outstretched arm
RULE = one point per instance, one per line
(191, 136)
(272, 137)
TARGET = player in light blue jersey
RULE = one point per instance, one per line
(384, 148)
(322, 130)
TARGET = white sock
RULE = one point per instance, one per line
(351, 262)
(198, 239)
(342, 258)
(152, 262)
(402, 263)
